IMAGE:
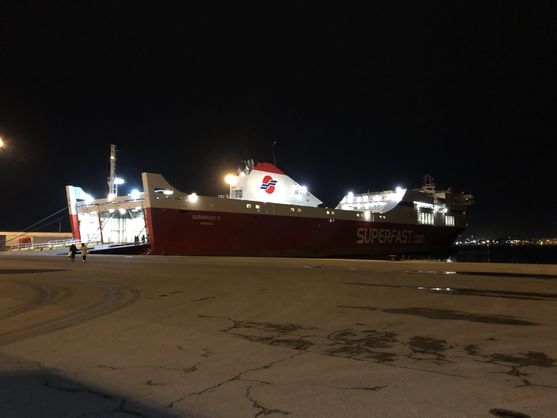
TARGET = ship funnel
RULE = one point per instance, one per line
(265, 182)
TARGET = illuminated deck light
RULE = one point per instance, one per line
(135, 194)
(230, 179)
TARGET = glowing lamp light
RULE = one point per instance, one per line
(193, 197)
(135, 194)
(350, 197)
(168, 192)
(110, 210)
(111, 196)
(89, 199)
(304, 189)
(1, 143)
(122, 211)
(230, 179)
(367, 215)
(119, 180)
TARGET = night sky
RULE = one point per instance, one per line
(358, 97)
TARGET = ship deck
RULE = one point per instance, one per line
(237, 337)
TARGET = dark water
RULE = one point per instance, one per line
(536, 254)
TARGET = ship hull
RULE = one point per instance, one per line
(186, 232)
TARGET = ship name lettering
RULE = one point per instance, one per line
(387, 236)
(205, 217)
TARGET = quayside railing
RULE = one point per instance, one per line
(41, 246)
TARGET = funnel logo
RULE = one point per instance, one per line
(268, 184)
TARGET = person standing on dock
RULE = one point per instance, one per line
(84, 251)
(72, 252)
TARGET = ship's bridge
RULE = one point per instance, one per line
(375, 202)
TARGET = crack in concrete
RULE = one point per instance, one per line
(38, 364)
(264, 410)
(365, 345)
(515, 362)
(237, 377)
(186, 370)
(127, 411)
(47, 384)
(343, 346)
(119, 409)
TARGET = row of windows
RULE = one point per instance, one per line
(425, 218)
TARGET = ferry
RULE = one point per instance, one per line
(266, 213)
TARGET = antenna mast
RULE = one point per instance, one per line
(112, 186)
(274, 156)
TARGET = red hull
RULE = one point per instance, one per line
(181, 232)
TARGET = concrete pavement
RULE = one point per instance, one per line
(247, 337)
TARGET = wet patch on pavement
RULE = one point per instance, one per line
(514, 363)
(488, 274)
(203, 299)
(363, 344)
(472, 349)
(505, 294)
(421, 352)
(530, 358)
(506, 275)
(431, 313)
(359, 308)
(370, 388)
(427, 348)
(505, 413)
(28, 271)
